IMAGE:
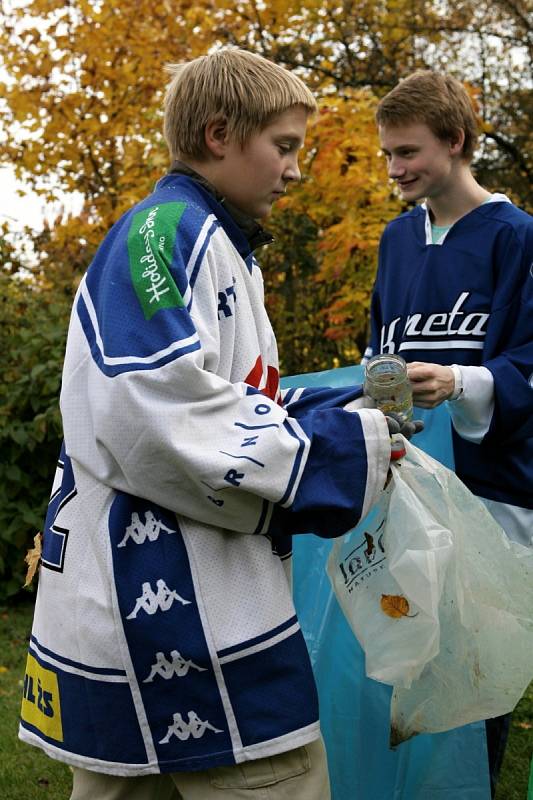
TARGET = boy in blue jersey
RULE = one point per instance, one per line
(454, 296)
(166, 659)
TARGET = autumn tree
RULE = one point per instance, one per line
(345, 201)
(81, 111)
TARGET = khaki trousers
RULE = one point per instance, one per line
(300, 774)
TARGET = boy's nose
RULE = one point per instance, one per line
(292, 172)
(395, 168)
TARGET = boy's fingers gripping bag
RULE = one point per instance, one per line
(440, 600)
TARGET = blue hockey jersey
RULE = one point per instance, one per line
(468, 301)
(165, 637)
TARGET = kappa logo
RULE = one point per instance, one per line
(166, 669)
(182, 730)
(151, 601)
(141, 531)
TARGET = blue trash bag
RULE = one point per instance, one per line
(354, 710)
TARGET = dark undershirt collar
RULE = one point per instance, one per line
(254, 232)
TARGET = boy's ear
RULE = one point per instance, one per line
(456, 142)
(216, 136)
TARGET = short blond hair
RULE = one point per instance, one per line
(439, 101)
(243, 88)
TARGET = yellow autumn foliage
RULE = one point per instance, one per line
(82, 112)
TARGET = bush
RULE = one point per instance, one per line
(33, 324)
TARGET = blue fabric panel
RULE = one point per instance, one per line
(174, 627)
(316, 398)
(265, 692)
(354, 710)
(330, 496)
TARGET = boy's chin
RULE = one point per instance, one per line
(262, 213)
(410, 195)
(258, 212)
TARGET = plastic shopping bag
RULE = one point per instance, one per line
(440, 600)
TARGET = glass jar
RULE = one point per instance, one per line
(386, 382)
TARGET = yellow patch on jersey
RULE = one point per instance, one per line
(40, 702)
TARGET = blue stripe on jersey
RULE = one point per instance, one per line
(296, 464)
(112, 366)
(68, 662)
(288, 395)
(258, 639)
(194, 273)
(164, 632)
(250, 262)
(262, 518)
(291, 702)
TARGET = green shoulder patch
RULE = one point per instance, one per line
(150, 247)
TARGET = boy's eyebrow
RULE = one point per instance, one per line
(400, 147)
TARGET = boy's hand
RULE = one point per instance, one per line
(407, 429)
(432, 384)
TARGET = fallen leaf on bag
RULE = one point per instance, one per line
(396, 606)
(33, 557)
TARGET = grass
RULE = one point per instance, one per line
(513, 782)
(27, 774)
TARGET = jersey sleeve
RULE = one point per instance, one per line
(471, 412)
(325, 494)
(147, 411)
(510, 339)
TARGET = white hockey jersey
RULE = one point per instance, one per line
(165, 637)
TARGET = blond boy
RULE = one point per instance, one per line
(183, 474)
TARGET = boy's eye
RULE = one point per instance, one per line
(286, 146)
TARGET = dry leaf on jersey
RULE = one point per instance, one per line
(32, 558)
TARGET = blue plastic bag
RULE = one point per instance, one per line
(354, 710)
